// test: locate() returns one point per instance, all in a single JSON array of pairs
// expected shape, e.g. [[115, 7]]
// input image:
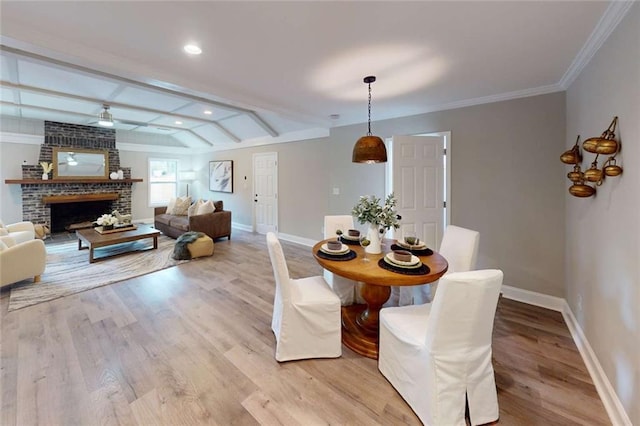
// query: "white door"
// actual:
[[418, 181], [265, 191]]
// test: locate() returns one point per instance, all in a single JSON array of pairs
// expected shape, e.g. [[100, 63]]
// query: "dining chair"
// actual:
[[459, 247], [437, 354], [306, 313], [347, 290]]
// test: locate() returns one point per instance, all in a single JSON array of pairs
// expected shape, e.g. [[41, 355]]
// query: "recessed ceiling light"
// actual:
[[208, 112], [192, 49], [334, 116], [178, 122]]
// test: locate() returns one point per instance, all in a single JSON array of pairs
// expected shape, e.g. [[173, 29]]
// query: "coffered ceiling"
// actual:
[[278, 71]]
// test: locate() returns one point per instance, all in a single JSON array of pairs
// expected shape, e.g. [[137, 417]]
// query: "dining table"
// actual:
[[360, 322]]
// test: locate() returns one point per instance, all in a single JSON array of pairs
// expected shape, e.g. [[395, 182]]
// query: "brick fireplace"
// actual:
[[72, 201]]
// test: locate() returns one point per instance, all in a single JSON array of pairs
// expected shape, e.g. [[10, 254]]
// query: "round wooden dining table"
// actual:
[[360, 322]]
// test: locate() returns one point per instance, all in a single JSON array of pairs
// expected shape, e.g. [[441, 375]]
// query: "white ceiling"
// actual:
[[276, 71]]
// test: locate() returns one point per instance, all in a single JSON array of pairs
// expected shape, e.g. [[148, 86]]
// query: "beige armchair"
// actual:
[[20, 231], [21, 260]]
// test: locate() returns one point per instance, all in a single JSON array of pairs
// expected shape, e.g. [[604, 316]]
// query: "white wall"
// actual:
[[602, 259]]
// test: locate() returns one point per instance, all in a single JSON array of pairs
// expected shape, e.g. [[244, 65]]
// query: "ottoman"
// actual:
[[191, 245]]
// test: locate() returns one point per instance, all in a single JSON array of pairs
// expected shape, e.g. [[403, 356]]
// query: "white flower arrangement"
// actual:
[[369, 210], [107, 220]]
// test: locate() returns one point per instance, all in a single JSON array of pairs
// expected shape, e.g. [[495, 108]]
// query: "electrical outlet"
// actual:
[[336, 191]]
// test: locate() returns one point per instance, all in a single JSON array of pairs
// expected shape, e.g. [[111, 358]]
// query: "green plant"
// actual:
[[369, 210]]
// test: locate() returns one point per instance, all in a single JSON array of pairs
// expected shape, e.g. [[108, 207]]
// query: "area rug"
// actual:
[[69, 271]]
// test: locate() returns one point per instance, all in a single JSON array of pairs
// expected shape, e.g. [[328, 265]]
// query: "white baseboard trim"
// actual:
[[533, 298], [610, 400], [608, 396], [241, 227], [298, 240]]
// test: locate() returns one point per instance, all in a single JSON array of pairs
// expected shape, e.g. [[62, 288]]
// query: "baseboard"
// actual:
[[608, 396], [241, 227], [533, 298], [298, 240], [610, 400]]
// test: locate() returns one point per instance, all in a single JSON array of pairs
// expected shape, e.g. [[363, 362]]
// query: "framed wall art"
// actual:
[[221, 176]]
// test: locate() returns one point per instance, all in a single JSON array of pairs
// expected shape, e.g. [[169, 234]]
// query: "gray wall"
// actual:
[[507, 182], [603, 234]]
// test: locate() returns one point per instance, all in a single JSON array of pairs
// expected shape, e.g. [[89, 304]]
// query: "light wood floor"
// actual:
[[193, 345]]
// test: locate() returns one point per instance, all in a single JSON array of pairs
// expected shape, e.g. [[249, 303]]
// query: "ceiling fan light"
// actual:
[[369, 149], [105, 118]]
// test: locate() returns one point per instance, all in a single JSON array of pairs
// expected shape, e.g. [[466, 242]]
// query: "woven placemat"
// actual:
[[347, 256], [421, 252], [422, 270], [350, 242]]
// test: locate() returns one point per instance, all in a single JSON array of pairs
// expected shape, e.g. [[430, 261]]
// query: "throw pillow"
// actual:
[[171, 207], [207, 207], [193, 208], [182, 205]]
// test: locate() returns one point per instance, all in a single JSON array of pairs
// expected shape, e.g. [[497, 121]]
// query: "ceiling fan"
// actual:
[[105, 118]]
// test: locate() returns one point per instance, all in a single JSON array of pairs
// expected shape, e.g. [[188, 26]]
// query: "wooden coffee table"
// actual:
[[93, 239]]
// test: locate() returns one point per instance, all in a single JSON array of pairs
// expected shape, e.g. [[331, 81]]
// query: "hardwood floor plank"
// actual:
[[193, 345]]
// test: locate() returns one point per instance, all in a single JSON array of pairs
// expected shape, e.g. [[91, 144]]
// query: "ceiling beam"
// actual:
[[118, 105], [34, 56], [81, 114]]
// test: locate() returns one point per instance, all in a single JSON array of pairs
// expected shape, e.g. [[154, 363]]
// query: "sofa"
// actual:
[[216, 224]]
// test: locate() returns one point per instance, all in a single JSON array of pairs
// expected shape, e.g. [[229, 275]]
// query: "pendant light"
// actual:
[[369, 149], [105, 118]]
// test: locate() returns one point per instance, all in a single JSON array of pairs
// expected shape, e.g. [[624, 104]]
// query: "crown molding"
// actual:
[[607, 23], [525, 93]]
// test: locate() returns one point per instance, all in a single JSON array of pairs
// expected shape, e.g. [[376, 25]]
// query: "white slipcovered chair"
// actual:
[[460, 247], [437, 353], [21, 260], [19, 231], [347, 290], [306, 313]]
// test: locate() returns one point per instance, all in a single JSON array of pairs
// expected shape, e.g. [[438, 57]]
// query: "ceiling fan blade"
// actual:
[[132, 123]]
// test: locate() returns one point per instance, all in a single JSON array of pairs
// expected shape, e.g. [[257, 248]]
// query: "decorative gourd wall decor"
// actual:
[[605, 145]]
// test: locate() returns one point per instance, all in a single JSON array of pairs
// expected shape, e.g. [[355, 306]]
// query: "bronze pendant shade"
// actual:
[[369, 148]]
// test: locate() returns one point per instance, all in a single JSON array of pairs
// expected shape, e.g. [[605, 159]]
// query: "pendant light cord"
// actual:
[[369, 132]]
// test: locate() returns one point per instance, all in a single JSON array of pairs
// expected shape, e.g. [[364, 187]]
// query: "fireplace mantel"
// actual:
[[58, 181]]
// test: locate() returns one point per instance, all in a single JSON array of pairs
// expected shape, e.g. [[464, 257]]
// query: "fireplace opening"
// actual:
[[72, 216]]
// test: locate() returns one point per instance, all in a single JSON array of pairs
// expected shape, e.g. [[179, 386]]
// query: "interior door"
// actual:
[[265, 190], [418, 181]]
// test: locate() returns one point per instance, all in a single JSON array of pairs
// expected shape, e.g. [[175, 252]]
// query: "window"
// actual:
[[163, 181]]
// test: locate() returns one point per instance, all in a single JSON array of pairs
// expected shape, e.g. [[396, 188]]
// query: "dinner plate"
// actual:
[[420, 246], [350, 237], [413, 263], [344, 249]]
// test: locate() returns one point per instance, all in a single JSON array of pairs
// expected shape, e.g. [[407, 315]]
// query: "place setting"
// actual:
[[352, 237], [403, 262], [335, 250], [412, 243]]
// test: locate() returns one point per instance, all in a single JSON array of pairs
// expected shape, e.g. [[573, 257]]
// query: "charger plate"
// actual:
[[346, 256], [421, 252], [422, 270]]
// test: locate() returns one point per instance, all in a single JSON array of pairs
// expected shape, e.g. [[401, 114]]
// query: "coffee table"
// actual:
[[93, 239]]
